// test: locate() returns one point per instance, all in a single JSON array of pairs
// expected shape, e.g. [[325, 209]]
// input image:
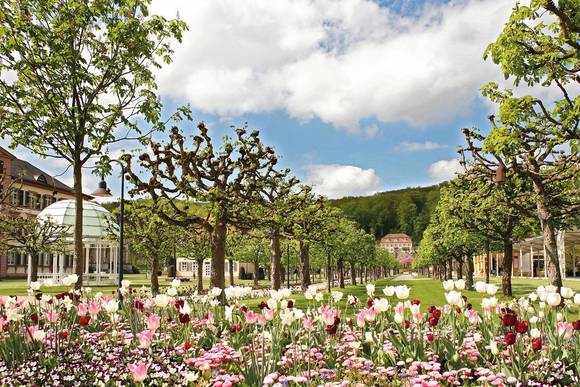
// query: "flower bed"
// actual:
[[84, 338]]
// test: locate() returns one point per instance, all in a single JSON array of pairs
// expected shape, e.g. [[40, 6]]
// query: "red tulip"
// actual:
[[433, 321], [184, 318], [84, 320], [407, 324], [521, 326], [186, 345], [34, 318], [537, 344], [430, 337], [576, 325], [509, 338], [416, 302], [509, 319]]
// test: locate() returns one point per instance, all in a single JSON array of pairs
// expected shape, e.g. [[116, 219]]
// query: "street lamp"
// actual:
[[104, 192], [500, 174]]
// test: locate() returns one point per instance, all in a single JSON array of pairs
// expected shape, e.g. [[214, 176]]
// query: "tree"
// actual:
[[79, 74], [229, 181], [149, 236], [537, 139], [492, 211], [32, 236]]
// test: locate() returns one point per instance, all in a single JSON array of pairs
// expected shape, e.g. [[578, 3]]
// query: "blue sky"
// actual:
[[356, 96]]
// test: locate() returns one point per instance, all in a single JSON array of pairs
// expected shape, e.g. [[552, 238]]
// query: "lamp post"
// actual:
[[103, 191]]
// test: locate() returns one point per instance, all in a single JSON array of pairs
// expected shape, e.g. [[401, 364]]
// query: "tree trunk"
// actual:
[[352, 273], [218, 257], [276, 262], [459, 268], [155, 275], [450, 269], [487, 262], [305, 264], [553, 261], [340, 268], [470, 270], [78, 261], [329, 272], [231, 263], [199, 275], [506, 280], [34, 267], [256, 269]]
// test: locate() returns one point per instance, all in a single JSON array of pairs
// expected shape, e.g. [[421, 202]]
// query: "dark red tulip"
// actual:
[[509, 338], [430, 337], [576, 325], [537, 344], [84, 320], [522, 326]]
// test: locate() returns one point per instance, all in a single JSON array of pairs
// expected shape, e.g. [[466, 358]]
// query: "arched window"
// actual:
[[41, 179]]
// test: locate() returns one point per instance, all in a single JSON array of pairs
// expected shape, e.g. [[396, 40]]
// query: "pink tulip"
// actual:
[[251, 317], [138, 371], [94, 308], [153, 322], [145, 338], [83, 309], [328, 314], [308, 324], [268, 314], [51, 316], [473, 316], [360, 319], [565, 329]]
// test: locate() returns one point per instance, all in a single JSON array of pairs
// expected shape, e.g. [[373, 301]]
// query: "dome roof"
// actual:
[[95, 217]]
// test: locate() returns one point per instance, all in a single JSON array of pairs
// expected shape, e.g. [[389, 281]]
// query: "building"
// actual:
[[397, 243], [530, 260], [187, 268], [32, 190]]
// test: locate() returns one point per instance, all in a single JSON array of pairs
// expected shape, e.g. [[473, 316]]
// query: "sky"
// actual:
[[356, 96]]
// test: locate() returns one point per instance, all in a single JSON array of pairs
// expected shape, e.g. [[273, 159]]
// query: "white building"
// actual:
[[187, 267]]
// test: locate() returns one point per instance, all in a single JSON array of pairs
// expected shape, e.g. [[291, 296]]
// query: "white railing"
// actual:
[[89, 279]]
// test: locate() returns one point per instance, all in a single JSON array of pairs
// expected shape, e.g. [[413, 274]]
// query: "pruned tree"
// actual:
[[229, 180], [537, 139], [76, 75], [31, 236]]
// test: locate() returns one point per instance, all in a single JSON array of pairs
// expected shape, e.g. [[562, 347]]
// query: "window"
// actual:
[[12, 259], [183, 266], [236, 266], [41, 179], [207, 269], [194, 267]]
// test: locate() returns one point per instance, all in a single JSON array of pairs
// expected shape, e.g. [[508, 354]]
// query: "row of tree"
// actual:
[[522, 174]]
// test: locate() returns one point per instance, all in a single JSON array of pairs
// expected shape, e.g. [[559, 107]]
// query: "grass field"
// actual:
[[429, 291]]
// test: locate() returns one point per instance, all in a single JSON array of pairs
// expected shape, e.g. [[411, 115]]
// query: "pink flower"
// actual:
[[400, 308], [83, 309], [51, 316], [251, 317], [268, 314], [566, 329], [328, 314], [308, 324], [153, 322], [94, 308], [473, 316], [138, 371], [360, 319], [145, 338]]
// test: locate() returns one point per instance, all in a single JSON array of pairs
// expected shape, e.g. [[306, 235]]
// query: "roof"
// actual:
[[96, 218], [20, 169], [392, 236]]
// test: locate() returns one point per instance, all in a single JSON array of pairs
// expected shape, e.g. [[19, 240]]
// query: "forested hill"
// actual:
[[405, 210]]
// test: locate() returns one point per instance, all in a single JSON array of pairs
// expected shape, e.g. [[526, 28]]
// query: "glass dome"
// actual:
[[96, 218]]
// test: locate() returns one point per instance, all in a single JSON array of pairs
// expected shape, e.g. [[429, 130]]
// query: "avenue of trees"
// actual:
[[521, 174]]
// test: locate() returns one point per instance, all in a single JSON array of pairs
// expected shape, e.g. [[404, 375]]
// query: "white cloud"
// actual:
[[339, 61], [444, 169], [419, 146], [336, 181]]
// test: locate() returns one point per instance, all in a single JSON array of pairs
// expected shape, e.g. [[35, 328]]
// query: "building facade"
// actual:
[[187, 268], [31, 191], [397, 244]]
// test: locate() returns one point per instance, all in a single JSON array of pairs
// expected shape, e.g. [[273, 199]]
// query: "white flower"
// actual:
[[535, 333], [272, 304], [354, 345], [381, 305], [185, 309], [389, 291], [577, 299], [319, 297], [533, 297], [369, 337], [493, 347], [351, 299], [370, 289], [541, 315], [398, 318], [477, 337], [171, 291], [336, 296], [162, 300], [111, 306], [66, 281], [453, 298], [175, 283], [553, 299], [460, 284], [215, 292], [190, 376], [481, 287], [566, 292], [125, 283], [13, 315], [73, 278], [551, 289], [229, 313], [559, 317], [542, 304], [214, 303], [35, 285], [39, 335], [298, 314], [402, 292], [491, 289], [48, 283], [448, 285]]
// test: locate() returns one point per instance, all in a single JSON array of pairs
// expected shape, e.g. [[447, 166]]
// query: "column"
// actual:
[[61, 258], [87, 257], [98, 264], [521, 262], [545, 263], [54, 264], [29, 269], [532, 259], [497, 264]]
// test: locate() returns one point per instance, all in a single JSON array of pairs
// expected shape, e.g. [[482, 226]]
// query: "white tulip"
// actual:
[[272, 304], [389, 291], [126, 283], [566, 292], [369, 337], [398, 318], [460, 284], [553, 299], [336, 296], [185, 309], [111, 306], [535, 333], [559, 317], [453, 298], [533, 297], [176, 283], [381, 305], [39, 335], [171, 291], [448, 285], [577, 299], [481, 287], [35, 285], [402, 292], [491, 289], [493, 347], [533, 319], [551, 289], [162, 300], [318, 297], [370, 289]]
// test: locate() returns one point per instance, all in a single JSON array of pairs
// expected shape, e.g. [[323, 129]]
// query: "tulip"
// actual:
[[308, 324], [84, 320], [460, 284], [509, 338], [537, 344], [162, 300], [402, 292], [491, 289], [453, 298], [522, 326], [553, 299], [138, 371], [145, 338], [481, 287], [35, 285], [370, 289], [577, 299], [566, 292], [448, 285]]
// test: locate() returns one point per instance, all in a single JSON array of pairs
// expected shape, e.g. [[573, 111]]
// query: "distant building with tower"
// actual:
[[397, 243]]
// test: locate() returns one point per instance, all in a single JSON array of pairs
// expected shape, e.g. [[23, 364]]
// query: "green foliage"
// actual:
[[407, 210]]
